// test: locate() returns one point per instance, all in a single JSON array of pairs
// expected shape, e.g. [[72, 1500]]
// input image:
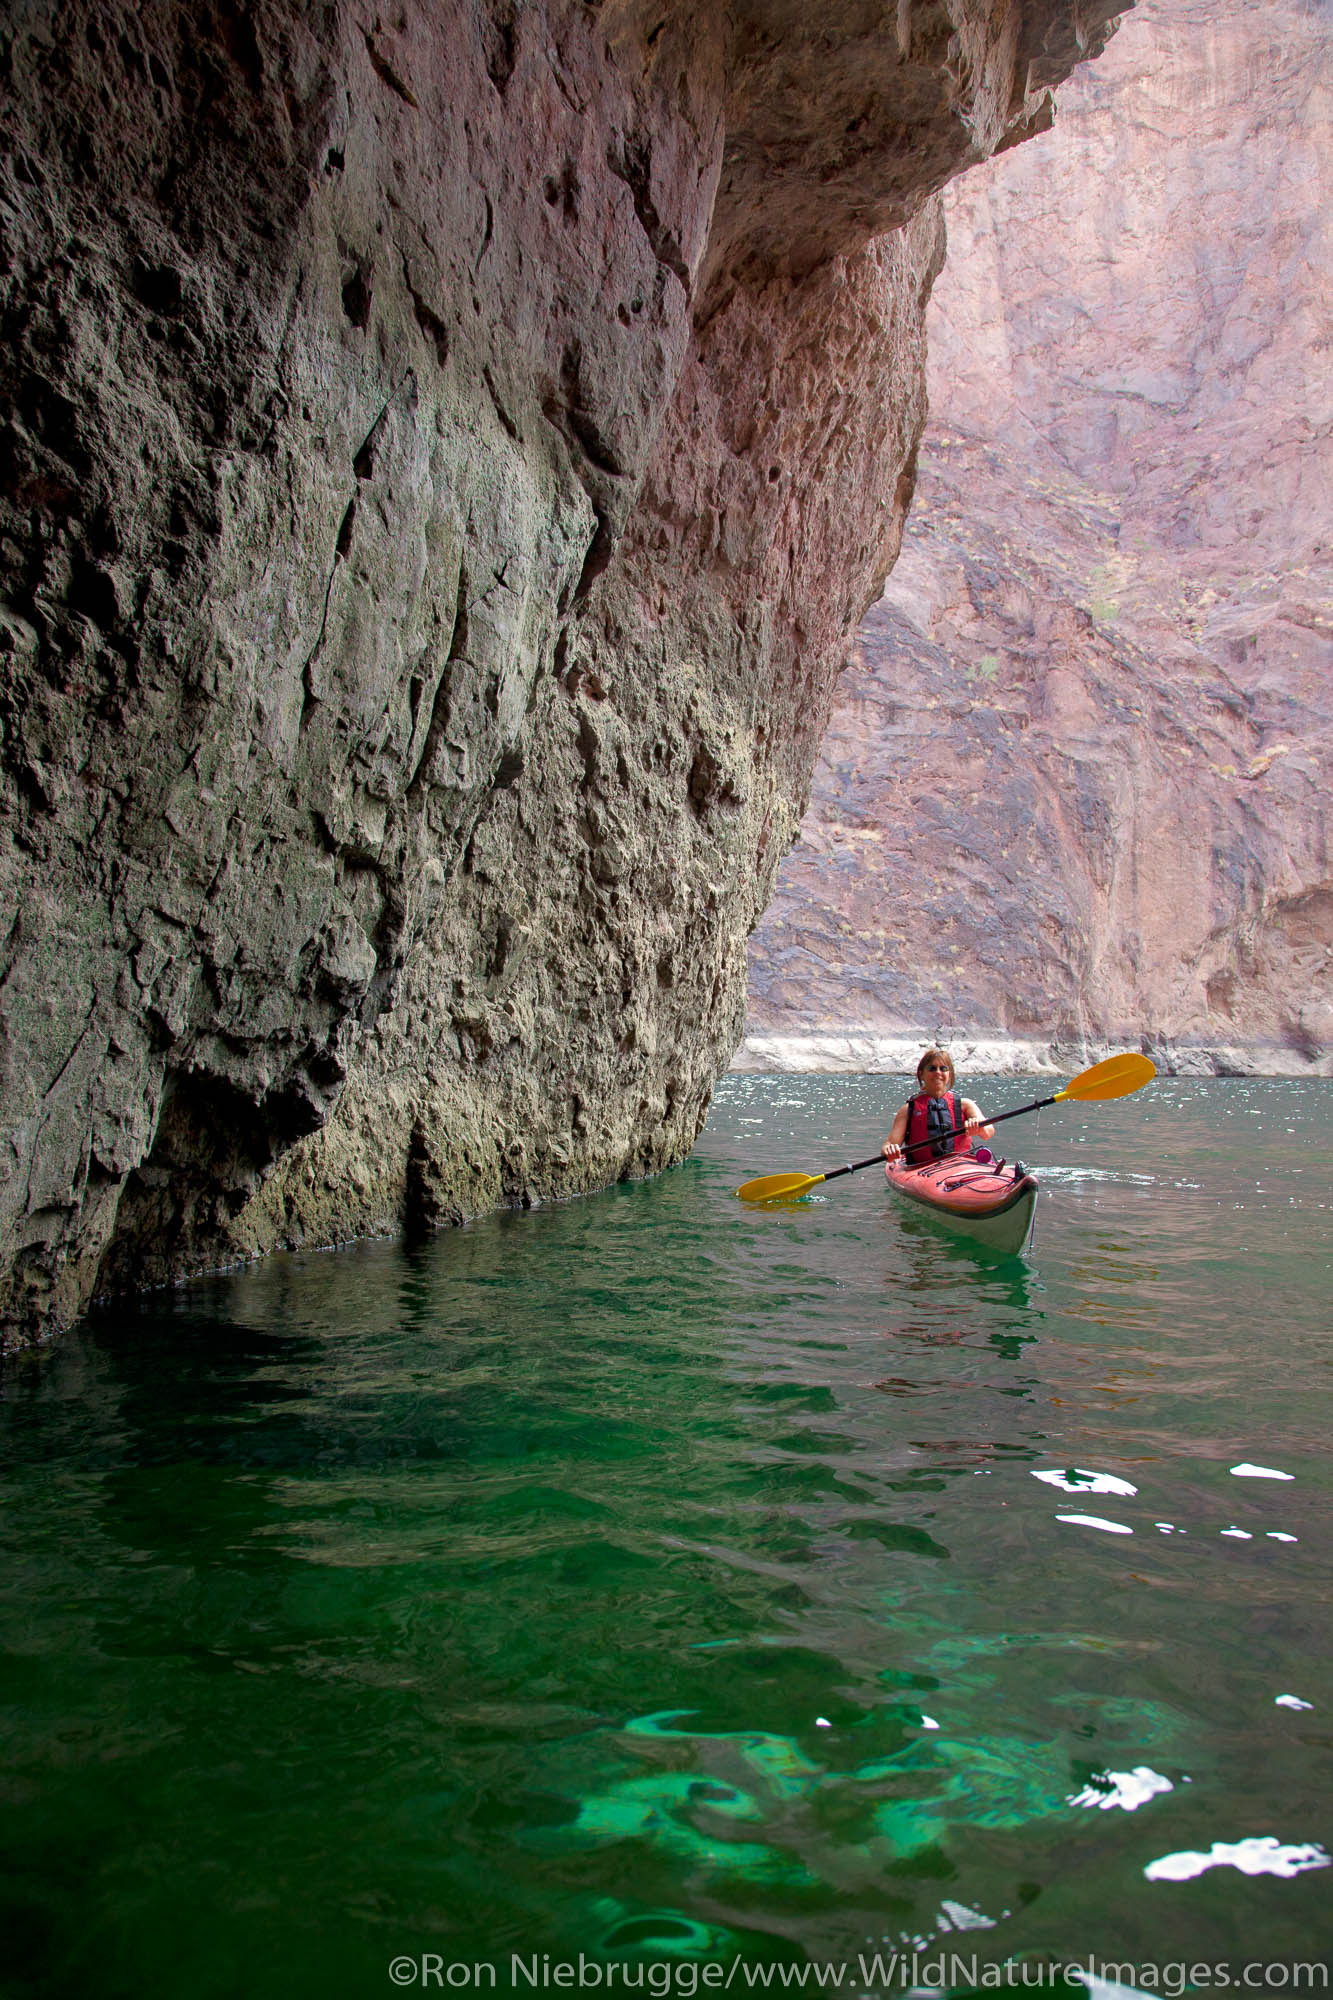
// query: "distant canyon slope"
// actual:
[[1076, 788]]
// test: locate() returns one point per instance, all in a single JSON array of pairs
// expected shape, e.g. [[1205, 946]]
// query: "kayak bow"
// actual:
[[985, 1200]]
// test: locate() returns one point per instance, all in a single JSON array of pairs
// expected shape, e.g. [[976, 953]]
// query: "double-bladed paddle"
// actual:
[[1117, 1076]]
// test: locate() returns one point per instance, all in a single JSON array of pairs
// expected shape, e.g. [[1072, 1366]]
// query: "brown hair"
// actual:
[[936, 1055]]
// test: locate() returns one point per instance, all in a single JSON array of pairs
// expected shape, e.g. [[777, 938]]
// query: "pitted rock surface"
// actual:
[[447, 452]]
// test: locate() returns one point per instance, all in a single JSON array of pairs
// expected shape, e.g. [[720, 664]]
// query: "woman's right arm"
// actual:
[[893, 1145]]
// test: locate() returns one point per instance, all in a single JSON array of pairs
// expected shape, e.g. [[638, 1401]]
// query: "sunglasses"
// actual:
[[941, 1069]]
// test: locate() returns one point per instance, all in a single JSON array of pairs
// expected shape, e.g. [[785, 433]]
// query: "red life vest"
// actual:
[[921, 1126]]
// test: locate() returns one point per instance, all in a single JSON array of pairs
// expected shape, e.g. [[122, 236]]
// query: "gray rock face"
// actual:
[[445, 456]]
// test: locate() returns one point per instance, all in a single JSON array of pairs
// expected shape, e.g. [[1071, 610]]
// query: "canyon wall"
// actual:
[[1076, 789], [445, 453]]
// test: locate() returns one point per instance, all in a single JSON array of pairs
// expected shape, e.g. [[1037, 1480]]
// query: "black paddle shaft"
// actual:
[[855, 1168], [1038, 1104]]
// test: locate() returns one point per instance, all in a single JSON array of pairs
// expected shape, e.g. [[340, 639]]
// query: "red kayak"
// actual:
[[981, 1198]]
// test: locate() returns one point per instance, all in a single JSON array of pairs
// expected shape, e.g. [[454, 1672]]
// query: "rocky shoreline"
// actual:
[[863, 1051]]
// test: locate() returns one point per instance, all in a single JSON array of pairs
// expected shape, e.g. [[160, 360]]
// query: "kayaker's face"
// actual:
[[936, 1080]]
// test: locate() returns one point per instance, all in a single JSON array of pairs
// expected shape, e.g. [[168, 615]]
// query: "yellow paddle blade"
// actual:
[[1116, 1077], [769, 1187]]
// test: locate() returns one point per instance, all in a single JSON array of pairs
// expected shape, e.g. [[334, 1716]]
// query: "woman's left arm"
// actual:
[[975, 1122]]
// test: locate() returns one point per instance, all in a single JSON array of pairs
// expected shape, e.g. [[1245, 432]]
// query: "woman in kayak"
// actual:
[[936, 1110]]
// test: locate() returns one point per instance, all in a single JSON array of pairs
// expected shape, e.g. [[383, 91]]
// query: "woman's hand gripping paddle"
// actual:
[[1117, 1076]]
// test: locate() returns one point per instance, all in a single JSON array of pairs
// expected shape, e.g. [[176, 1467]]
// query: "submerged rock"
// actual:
[[447, 452]]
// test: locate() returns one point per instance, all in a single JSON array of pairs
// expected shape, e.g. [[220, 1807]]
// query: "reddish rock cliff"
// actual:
[[447, 451], [1078, 784]]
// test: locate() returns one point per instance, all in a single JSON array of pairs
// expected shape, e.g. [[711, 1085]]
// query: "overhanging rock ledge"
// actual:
[[446, 451]]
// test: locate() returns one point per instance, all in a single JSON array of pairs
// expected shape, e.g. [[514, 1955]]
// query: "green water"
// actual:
[[668, 1582]]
